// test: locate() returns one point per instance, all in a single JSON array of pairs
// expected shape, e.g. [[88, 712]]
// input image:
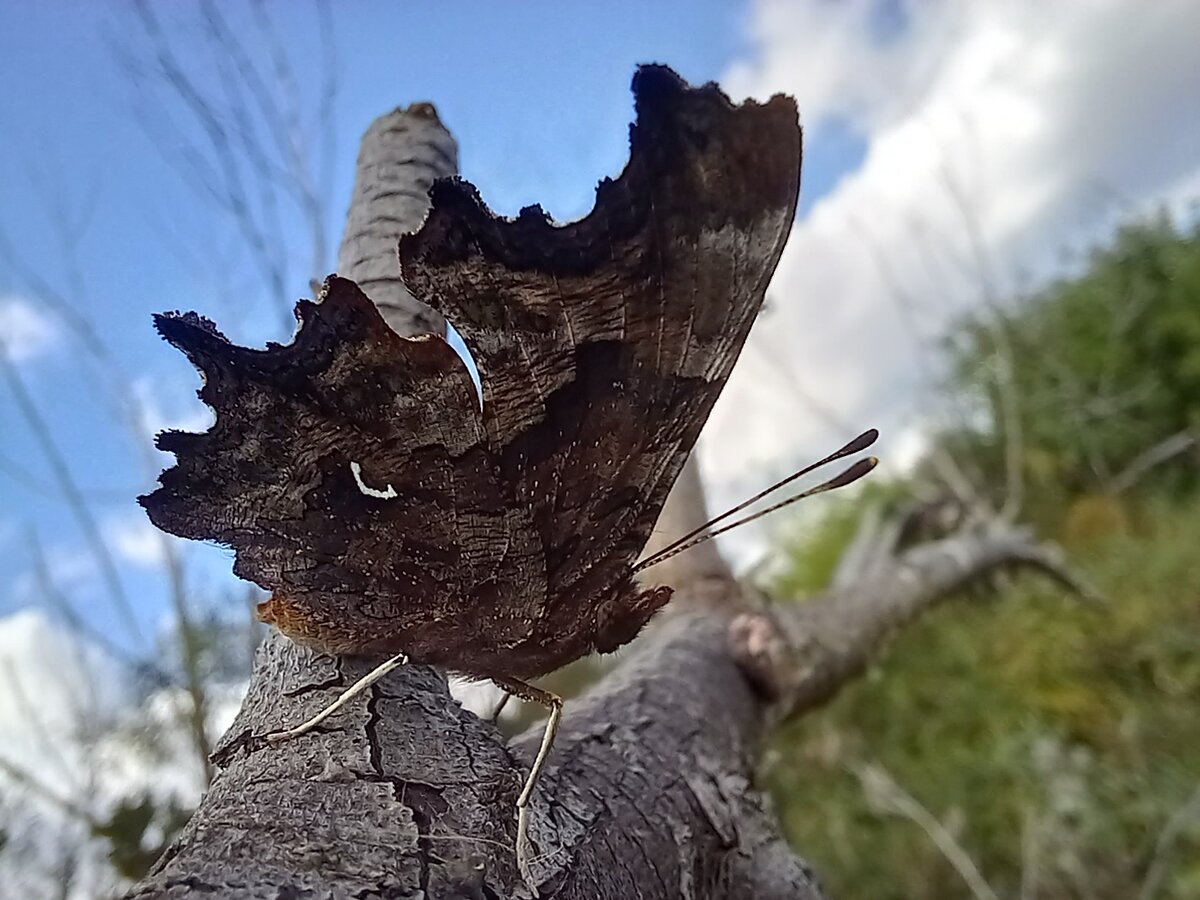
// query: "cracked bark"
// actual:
[[649, 791]]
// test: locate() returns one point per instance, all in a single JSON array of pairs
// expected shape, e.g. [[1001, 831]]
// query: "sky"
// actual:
[[1036, 126]]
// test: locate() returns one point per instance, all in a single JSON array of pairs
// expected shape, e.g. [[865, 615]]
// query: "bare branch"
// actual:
[[70, 490], [1005, 373], [1164, 451], [831, 638], [882, 790], [402, 154], [1164, 845], [26, 779]]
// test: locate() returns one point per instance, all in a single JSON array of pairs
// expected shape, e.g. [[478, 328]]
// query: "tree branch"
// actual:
[[1164, 451]]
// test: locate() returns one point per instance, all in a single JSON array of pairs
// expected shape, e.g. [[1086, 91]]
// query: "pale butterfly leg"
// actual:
[[554, 704], [343, 698]]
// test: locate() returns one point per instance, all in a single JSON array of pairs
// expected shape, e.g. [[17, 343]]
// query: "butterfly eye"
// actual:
[[455, 340]]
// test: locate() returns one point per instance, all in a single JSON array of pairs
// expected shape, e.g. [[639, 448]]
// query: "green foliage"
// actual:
[[1058, 742], [137, 832], [812, 549], [1105, 366], [1030, 711]]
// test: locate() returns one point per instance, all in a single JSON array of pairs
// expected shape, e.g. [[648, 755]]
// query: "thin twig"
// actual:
[[1031, 850], [1167, 838], [25, 778], [189, 652], [29, 480], [1164, 451], [1005, 375], [70, 490], [54, 597], [233, 194], [33, 719], [943, 461], [881, 788]]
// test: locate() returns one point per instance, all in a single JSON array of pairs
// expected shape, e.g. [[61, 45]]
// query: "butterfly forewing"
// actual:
[[603, 344]]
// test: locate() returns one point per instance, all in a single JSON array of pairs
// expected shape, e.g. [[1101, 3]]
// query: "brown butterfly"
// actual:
[[358, 477]]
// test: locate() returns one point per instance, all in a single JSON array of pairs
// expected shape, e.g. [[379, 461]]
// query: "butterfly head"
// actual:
[[619, 620]]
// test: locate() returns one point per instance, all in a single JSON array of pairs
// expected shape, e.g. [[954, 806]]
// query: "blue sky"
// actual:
[[1055, 120], [536, 93]]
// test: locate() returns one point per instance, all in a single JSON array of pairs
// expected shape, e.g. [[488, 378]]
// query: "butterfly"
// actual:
[[390, 511]]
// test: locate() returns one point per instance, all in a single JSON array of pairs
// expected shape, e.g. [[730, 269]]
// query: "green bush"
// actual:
[[1032, 710], [1055, 742], [1104, 366]]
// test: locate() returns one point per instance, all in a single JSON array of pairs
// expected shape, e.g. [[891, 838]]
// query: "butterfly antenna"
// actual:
[[703, 533]]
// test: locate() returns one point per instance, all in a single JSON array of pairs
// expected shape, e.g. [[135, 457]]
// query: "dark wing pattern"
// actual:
[[355, 476], [310, 442], [603, 344]]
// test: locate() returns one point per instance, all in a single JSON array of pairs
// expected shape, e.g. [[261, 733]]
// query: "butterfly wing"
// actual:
[[348, 471], [603, 344], [353, 472]]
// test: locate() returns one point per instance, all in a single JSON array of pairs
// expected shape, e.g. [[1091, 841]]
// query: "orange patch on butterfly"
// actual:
[[289, 618]]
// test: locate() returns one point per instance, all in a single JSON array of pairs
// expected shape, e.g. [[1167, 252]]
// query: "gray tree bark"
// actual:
[[649, 790], [400, 157]]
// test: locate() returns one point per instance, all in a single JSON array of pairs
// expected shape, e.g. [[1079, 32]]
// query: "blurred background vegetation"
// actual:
[[1025, 743]]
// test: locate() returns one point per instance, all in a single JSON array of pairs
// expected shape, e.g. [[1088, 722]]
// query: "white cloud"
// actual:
[[72, 721], [164, 407], [1041, 113], [50, 674], [72, 567], [134, 540], [25, 331]]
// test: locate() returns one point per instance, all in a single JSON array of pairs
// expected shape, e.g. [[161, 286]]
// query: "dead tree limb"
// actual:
[[649, 792], [1164, 451]]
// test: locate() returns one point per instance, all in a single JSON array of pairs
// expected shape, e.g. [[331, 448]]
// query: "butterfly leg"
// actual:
[[495, 716], [554, 704], [343, 698]]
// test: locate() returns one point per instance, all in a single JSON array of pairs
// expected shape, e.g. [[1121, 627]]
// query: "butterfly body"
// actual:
[[536, 650]]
